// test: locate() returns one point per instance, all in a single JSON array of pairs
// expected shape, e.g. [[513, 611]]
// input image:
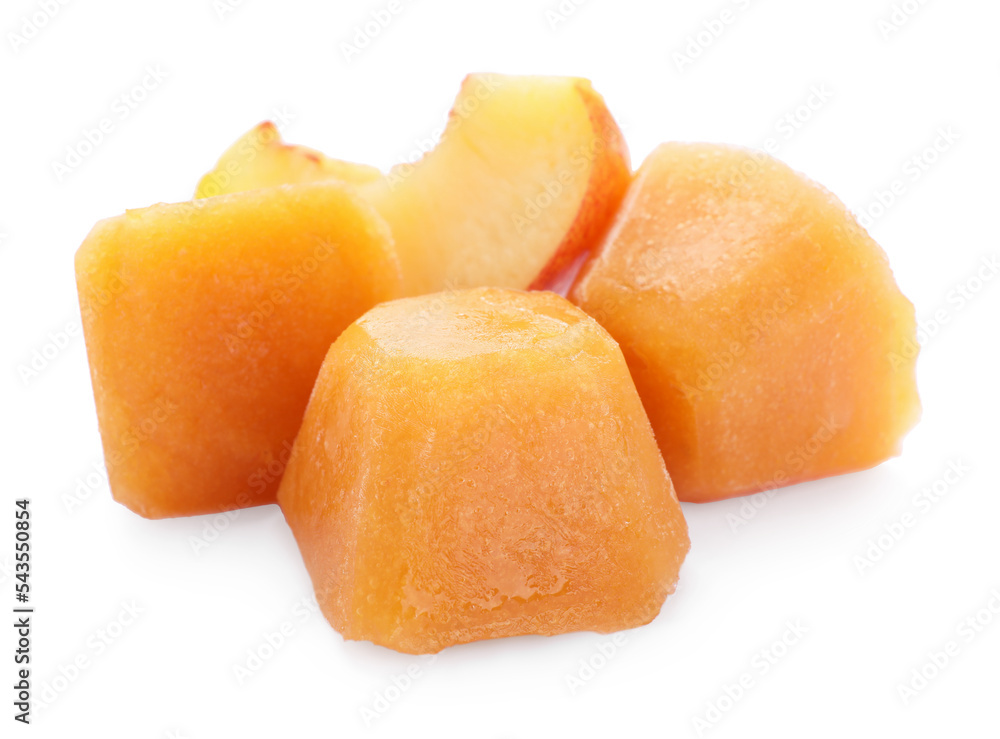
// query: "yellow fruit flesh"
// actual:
[[260, 159], [525, 178]]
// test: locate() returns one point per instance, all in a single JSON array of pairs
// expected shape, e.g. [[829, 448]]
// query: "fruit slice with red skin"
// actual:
[[762, 324], [259, 159], [206, 324], [477, 464], [526, 177]]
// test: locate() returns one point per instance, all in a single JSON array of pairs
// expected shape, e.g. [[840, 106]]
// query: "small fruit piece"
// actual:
[[477, 464], [764, 330], [260, 159], [526, 177], [206, 324]]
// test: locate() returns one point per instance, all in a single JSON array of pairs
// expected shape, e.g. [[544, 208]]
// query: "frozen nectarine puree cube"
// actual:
[[477, 464], [762, 324], [206, 324]]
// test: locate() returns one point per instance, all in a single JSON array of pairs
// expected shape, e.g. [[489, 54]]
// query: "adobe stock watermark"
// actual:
[[785, 128], [921, 504], [795, 119], [95, 646], [396, 687], [761, 664], [712, 29], [62, 338], [421, 147], [914, 168], [366, 32], [465, 107], [142, 431], [274, 640], [94, 480], [6, 569], [722, 362], [580, 161], [257, 484], [967, 631], [290, 282], [437, 305], [224, 8], [32, 24], [45, 354], [406, 164], [957, 299], [795, 461], [588, 668], [482, 427], [561, 12], [899, 15], [122, 106]]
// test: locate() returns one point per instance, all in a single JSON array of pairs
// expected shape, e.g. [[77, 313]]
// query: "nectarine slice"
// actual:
[[259, 159], [206, 324], [525, 178], [762, 324], [477, 464]]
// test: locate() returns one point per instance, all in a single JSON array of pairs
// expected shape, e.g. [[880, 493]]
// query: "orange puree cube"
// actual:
[[206, 324], [477, 464], [763, 327]]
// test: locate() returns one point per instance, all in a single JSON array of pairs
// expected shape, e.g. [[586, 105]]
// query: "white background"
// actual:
[[171, 671]]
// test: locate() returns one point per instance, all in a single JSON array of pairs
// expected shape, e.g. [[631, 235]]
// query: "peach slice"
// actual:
[[525, 178], [762, 324], [206, 324], [260, 159], [477, 464]]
